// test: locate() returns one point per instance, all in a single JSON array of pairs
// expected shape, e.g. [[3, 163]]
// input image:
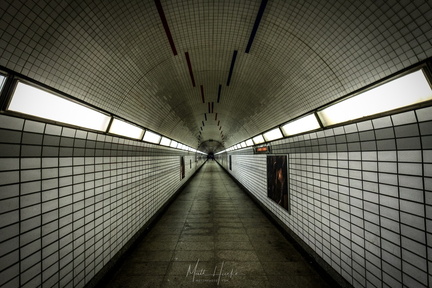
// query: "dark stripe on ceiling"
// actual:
[[218, 122], [216, 117], [256, 25], [209, 107], [219, 93], [202, 93], [212, 107], [203, 123], [165, 25], [220, 127], [190, 68], [232, 67], [205, 116]]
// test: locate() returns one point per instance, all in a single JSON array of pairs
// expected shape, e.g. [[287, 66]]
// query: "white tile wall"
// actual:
[[366, 212], [68, 207]]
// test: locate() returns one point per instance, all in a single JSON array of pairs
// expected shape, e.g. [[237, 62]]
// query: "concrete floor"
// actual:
[[214, 235]]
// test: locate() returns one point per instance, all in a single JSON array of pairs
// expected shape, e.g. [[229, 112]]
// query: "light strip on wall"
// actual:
[[120, 127], [258, 139], [404, 91], [37, 102], [173, 144], [151, 137], [303, 124], [2, 81], [273, 134], [165, 141]]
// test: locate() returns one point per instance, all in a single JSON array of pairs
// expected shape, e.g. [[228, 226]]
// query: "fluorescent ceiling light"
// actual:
[[238, 146], [126, 129], [151, 137], [273, 134], [36, 102], [403, 91], [304, 124], [2, 81], [258, 139], [165, 141], [173, 144], [243, 144], [249, 142]]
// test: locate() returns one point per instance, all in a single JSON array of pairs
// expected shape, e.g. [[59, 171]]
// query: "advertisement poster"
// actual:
[[277, 180], [182, 167]]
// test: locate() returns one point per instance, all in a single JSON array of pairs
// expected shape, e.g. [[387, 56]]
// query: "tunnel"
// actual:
[[207, 143]]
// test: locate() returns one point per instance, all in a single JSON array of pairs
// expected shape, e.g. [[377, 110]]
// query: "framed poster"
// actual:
[[182, 167], [277, 180]]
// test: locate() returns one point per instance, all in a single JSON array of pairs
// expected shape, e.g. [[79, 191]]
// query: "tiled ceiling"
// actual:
[[171, 66]]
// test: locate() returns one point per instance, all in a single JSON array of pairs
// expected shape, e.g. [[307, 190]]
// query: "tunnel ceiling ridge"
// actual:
[[223, 70]]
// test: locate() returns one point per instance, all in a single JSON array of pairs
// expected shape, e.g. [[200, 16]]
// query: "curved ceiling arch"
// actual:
[[146, 62]]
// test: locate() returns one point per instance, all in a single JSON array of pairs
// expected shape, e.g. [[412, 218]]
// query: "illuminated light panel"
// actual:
[[2, 81], [243, 144], [258, 139], [165, 141], [273, 134], [36, 102], [173, 144], [126, 129], [403, 91], [152, 137], [249, 142], [304, 124]]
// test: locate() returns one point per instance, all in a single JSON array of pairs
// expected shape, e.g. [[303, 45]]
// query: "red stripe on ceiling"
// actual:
[[202, 94], [165, 25], [231, 67], [190, 68], [256, 25]]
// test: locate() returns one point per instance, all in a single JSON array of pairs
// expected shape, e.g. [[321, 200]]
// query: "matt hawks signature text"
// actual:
[[201, 275]]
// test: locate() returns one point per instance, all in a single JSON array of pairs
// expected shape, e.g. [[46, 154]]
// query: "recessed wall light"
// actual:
[[120, 127], [34, 101], [401, 92]]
